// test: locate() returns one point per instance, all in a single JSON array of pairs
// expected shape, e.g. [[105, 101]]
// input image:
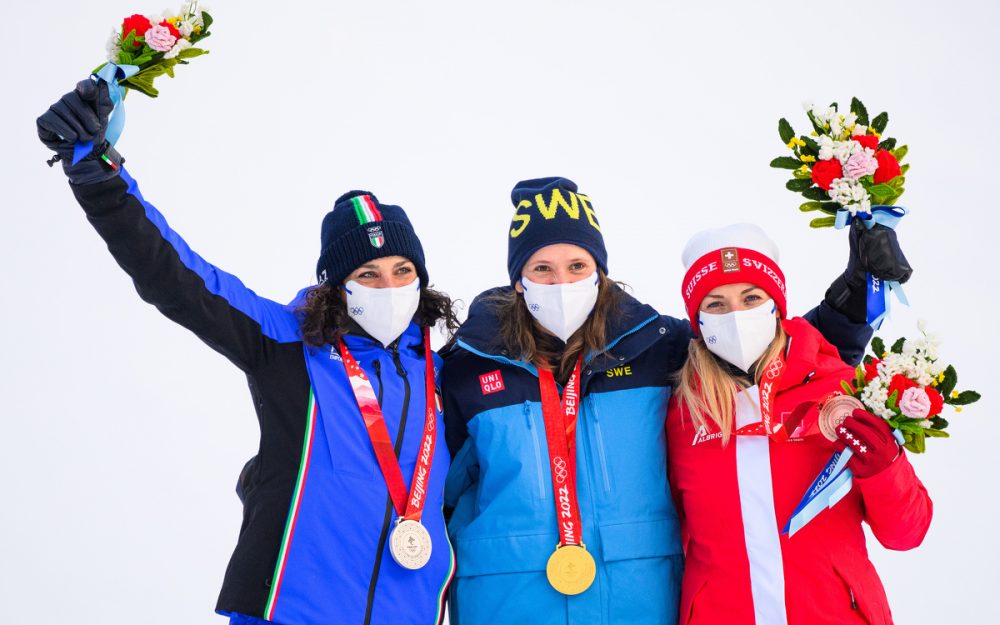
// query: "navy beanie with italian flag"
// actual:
[[359, 229], [548, 211]]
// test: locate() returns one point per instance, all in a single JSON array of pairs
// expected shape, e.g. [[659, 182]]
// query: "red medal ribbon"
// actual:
[[408, 506], [768, 390], [560, 433]]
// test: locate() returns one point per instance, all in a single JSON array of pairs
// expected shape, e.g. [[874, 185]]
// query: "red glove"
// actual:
[[871, 440]]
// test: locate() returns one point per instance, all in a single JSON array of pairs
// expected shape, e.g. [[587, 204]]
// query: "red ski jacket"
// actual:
[[735, 499]]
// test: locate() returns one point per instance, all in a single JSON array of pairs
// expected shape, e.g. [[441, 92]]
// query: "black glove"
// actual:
[[81, 115], [874, 251]]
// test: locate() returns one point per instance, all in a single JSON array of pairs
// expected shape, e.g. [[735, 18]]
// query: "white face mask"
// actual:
[[382, 313], [739, 337], [561, 308]]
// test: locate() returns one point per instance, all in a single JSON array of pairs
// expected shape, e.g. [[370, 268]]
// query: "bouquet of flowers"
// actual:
[[844, 164], [151, 46], [908, 387]]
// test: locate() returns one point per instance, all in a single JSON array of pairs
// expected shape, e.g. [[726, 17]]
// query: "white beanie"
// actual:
[[745, 235]]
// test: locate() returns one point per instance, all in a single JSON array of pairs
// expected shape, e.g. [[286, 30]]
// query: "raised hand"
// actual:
[[79, 116]]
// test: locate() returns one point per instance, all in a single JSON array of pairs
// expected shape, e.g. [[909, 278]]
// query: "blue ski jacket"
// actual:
[[503, 522], [313, 547]]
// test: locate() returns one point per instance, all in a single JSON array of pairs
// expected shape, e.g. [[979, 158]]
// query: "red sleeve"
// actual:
[[897, 506], [673, 417]]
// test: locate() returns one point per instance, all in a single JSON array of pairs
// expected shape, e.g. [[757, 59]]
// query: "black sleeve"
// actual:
[[215, 305], [849, 337]]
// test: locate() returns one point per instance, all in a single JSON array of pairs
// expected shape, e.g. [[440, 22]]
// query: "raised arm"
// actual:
[[842, 315], [213, 304]]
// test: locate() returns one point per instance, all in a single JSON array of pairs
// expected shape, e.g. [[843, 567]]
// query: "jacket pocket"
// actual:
[[862, 596], [643, 539], [535, 439], [506, 554]]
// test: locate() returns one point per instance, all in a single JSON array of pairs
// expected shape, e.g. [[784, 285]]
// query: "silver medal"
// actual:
[[410, 545]]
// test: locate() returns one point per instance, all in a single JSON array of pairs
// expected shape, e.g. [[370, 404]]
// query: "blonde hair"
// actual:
[[708, 390]]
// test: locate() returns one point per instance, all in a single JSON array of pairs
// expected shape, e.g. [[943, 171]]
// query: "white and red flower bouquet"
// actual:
[[150, 46], [845, 166], [908, 386]]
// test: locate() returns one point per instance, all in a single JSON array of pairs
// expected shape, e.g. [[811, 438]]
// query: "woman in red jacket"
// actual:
[[737, 475]]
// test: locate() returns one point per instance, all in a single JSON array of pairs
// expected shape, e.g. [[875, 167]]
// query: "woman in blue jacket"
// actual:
[[342, 518], [555, 394]]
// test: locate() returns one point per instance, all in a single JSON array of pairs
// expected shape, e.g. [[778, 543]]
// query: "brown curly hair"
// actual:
[[323, 318]]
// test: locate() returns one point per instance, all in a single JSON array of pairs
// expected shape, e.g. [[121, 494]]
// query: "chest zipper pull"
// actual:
[[854, 603]]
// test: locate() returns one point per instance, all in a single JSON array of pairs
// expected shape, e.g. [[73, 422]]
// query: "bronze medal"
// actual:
[[834, 411]]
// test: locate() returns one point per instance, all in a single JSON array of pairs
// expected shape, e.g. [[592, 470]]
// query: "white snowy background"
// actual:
[[122, 435]]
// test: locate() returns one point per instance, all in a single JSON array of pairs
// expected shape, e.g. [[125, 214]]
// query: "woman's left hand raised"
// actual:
[[872, 441]]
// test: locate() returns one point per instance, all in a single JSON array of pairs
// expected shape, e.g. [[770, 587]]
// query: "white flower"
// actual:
[[808, 105], [113, 46], [859, 130], [186, 27], [824, 114], [182, 44], [825, 144], [843, 150]]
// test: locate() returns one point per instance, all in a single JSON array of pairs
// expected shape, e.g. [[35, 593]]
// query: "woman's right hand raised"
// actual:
[[79, 116]]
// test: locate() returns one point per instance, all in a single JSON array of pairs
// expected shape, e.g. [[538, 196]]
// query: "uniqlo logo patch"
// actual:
[[491, 382]]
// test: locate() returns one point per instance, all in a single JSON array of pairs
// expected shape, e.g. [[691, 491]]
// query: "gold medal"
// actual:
[[571, 569], [833, 413]]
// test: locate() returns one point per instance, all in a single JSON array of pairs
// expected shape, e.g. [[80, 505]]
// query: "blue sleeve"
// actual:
[[849, 337], [187, 289]]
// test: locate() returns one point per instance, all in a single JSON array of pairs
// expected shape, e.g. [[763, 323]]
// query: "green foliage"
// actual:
[[897, 347], [880, 122], [802, 175], [815, 193], [948, 384], [823, 222], [882, 194], [815, 124], [965, 398], [896, 183], [932, 433], [878, 346], [847, 388], [887, 144], [904, 168], [798, 185], [939, 422], [859, 109], [806, 207], [785, 131], [811, 144], [917, 444], [900, 153], [786, 162], [891, 403]]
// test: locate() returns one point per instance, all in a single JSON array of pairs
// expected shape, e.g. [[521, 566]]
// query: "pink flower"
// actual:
[[915, 403], [160, 39], [860, 164]]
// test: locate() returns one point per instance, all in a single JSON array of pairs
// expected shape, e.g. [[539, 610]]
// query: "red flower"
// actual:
[[867, 141], [825, 172], [937, 402], [888, 167], [871, 370], [898, 384], [137, 23], [173, 29]]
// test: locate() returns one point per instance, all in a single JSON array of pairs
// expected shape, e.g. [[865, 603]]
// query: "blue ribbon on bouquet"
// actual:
[[111, 74], [878, 290], [829, 487]]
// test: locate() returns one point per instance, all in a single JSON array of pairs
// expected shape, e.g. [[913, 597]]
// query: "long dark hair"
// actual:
[[324, 318], [526, 340]]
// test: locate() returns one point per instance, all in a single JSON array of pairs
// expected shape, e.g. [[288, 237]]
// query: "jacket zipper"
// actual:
[[387, 519], [538, 449], [602, 457]]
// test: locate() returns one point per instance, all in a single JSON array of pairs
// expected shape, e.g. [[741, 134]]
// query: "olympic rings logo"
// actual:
[[560, 469], [775, 368]]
